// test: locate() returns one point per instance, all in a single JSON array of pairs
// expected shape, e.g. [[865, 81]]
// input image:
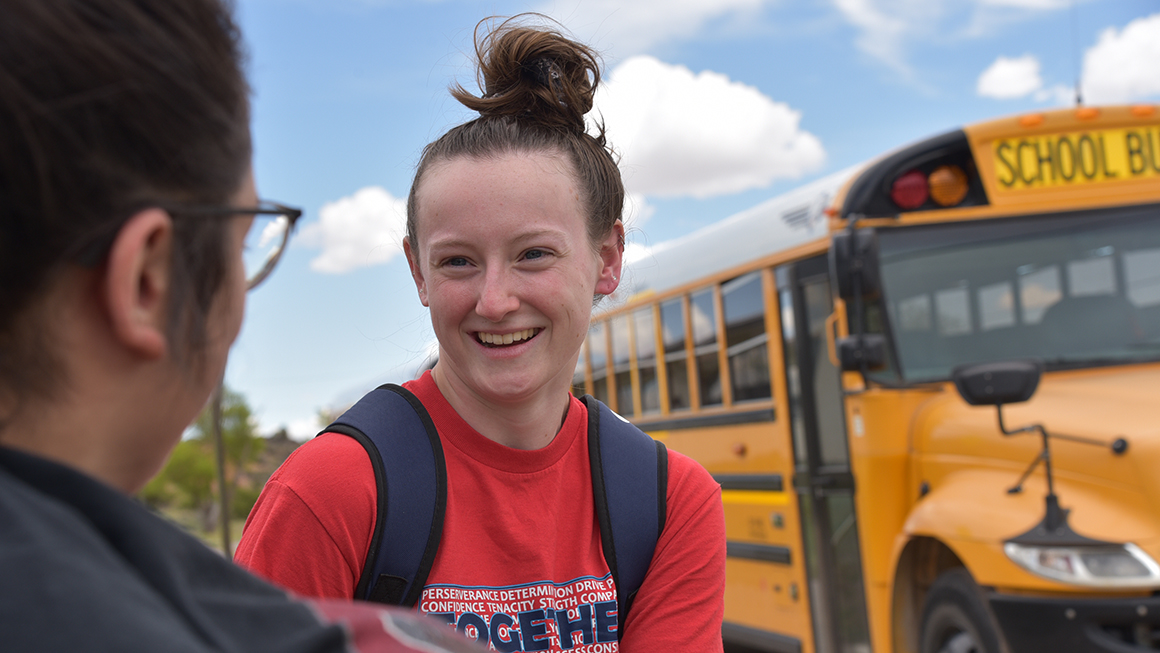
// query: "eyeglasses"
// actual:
[[265, 241]]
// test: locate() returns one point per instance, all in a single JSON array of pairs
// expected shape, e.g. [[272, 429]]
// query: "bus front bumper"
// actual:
[[1113, 625]]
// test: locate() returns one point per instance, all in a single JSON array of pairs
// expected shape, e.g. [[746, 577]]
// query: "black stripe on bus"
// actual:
[[705, 421], [759, 640], [766, 482], [762, 552]]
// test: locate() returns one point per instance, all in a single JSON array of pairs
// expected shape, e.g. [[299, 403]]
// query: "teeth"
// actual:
[[507, 338]]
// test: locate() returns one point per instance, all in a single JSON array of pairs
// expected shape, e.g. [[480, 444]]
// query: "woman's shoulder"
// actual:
[[687, 478], [327, 463]]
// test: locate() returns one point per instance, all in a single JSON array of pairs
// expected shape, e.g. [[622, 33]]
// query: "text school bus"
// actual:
[[929, 389]]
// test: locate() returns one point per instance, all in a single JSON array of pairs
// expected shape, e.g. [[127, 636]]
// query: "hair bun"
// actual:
[[532, 73]]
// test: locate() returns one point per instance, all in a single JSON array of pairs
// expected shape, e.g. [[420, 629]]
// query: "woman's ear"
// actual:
[[611, 260], [416, 270], [138, 280]]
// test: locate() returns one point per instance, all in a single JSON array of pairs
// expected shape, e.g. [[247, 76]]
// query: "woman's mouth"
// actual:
[[505, 339]]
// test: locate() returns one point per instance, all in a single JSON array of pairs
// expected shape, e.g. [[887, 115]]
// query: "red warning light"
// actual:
[[909, 191]]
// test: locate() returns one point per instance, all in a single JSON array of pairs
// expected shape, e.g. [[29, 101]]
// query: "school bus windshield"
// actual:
[[1074, 290]]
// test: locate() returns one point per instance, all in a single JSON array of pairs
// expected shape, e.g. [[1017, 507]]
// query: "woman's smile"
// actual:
[[505, 339]]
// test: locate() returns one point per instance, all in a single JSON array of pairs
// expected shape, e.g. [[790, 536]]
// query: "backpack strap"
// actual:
[[629, 484], [410, 472]]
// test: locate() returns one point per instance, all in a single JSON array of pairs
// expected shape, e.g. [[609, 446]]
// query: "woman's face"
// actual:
[[506, 266]]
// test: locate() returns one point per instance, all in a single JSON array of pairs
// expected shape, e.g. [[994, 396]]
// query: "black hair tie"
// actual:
[[543, 71], [546, 73]]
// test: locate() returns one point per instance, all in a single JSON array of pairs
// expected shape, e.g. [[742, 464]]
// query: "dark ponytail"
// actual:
[[537, 87]]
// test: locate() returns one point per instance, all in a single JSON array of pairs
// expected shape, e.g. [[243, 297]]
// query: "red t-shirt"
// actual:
[[520, 540]]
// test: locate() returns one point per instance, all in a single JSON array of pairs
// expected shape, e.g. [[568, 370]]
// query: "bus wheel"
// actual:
[[955, 619]]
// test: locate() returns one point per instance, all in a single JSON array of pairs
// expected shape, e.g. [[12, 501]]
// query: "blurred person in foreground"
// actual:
[[125, 197]]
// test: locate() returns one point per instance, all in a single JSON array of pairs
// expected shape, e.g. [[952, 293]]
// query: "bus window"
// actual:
[[953, 306], [1139, 273], [597, 351], [1038, 289], [646, 360], [996, 306], [914, 313], [1059, 288], [621, 367], [704, 317], [578, 377], [1092, 276], [746, 338], [676, 367]]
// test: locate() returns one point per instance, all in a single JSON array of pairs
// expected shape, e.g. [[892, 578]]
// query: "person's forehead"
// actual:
[[531, 189], [547, 163]]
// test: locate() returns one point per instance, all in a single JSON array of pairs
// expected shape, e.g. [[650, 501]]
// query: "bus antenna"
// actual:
[[1075, 56]]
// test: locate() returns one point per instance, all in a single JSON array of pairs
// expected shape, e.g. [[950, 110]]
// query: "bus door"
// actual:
[[822, 476]]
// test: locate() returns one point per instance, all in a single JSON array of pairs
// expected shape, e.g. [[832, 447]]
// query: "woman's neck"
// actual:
[[527, 423]]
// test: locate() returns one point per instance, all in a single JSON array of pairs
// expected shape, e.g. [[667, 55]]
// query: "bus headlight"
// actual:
[[1091, 566]]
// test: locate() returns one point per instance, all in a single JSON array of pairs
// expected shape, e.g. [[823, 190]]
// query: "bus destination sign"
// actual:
[[1075, 158]]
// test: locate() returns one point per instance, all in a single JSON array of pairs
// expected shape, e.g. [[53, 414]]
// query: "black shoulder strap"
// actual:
[[410, 472], [629, 484]]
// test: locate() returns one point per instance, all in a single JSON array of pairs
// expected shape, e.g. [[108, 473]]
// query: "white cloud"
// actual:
[[619, 28], [637, 210], [1122, 65], [700, 135], [303, 429], [887, 28], [361, 230], [634, 252], [884, 28], [1007, 79]]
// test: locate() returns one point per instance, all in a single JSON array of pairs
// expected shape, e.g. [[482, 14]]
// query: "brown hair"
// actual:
[[108, 107], [537, 86]]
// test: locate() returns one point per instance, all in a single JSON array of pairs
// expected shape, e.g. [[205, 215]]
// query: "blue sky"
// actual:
[[714, 106]]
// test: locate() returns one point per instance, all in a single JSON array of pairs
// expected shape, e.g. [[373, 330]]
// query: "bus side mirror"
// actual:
[[854, 352], [855, 253], [993, 384]]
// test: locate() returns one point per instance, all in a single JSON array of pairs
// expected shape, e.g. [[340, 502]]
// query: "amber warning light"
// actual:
[[945, 185]]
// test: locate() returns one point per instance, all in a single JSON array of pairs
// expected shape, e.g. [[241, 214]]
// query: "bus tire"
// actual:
[[955, 619]]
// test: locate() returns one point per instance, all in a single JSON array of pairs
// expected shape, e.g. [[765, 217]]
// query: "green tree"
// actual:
[[189, 480], [239, 436]]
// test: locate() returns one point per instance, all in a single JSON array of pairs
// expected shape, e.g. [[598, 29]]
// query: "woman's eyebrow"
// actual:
[[450, 243], [537, 234], [455, 242]]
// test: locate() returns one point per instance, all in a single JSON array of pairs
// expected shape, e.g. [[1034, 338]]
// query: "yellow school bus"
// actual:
[[929, 388]]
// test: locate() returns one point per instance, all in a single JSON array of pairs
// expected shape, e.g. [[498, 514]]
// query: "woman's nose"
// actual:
[[497, 297]]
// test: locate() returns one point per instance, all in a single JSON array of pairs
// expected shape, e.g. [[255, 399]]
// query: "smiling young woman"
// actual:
[[513, 229]]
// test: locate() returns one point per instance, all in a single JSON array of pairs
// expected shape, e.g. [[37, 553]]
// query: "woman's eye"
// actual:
[[533, 254], [456, 262]]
